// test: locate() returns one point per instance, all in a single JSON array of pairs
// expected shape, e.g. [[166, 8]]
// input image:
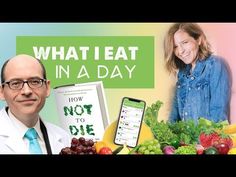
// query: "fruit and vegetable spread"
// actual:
[[189, 137], [183, 137]]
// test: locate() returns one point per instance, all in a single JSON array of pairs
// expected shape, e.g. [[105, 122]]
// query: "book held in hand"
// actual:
[[82, 109]]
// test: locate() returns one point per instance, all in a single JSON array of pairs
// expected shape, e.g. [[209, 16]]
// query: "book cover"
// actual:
[[82, 109]]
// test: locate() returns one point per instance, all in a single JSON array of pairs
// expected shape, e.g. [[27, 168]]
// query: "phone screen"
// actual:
[[129, 122]]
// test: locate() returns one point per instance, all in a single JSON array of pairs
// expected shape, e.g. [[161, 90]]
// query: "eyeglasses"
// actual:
[[17, 84]]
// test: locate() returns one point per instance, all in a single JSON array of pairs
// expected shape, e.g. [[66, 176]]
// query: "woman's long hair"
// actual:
[[173, 63]]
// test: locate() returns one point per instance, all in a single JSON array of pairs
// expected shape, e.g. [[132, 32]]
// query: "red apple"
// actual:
[[222, 148]]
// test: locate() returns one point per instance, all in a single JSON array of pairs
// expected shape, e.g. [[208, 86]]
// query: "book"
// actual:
[[82, 109]]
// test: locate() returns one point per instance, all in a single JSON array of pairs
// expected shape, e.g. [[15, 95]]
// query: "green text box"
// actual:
[[118, 61]]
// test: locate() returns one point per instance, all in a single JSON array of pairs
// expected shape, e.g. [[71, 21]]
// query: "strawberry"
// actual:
[[207, 139], [223, 139]]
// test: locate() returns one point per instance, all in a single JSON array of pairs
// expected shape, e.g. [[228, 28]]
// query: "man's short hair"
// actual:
[[5, 64]]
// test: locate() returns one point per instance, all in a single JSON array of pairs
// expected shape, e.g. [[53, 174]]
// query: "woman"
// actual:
[[203, 88]]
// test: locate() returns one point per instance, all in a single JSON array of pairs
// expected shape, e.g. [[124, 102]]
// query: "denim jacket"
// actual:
[[204, 93]]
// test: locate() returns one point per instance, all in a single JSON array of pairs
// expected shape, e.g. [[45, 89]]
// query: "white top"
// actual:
[[11, 141]]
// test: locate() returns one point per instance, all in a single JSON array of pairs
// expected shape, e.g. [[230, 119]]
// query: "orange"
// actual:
[[99, 145]]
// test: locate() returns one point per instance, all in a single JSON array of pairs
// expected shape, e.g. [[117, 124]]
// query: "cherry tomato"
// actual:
[[105, 150]]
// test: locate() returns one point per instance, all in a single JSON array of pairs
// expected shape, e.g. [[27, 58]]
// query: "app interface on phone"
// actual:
[[129, 122]]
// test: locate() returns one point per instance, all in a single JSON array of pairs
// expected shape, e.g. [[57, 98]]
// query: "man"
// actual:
[[25, 88]]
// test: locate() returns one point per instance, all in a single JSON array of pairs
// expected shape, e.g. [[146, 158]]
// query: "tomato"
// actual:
[[105, 150]]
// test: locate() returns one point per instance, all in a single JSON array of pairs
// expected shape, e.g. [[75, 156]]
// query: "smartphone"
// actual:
[[129, 122]]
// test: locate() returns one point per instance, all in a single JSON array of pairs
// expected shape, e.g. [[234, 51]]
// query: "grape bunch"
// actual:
[[149, 147], [79, 146]]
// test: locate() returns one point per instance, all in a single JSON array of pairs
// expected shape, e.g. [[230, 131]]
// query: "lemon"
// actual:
[[230, 129], [232, 151]]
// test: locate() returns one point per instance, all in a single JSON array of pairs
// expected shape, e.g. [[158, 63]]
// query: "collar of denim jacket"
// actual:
[[199, 68]]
